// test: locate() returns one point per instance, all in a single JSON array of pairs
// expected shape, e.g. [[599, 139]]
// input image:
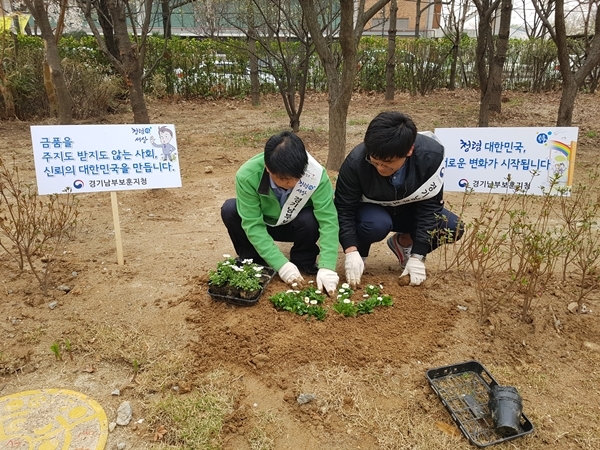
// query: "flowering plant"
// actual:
[[308, 301], [372, 298], [244, 275]]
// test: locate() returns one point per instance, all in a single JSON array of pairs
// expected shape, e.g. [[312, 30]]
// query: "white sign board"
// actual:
[[483, 159], [102, 158]]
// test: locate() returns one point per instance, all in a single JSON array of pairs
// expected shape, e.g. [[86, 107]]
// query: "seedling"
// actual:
[[69, 349], [136, 369], [56, 350]]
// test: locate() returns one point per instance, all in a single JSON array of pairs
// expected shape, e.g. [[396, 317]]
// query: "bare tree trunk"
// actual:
[[500, 56], [482, 73], [573, 81], [570, 81], [338, 112], [252, 37], [132, 66], [567, 102], [455, 25], [57, 91], [418, 19], [7, 96], [390, 64], [254, 81], [453, 64], [125, 56], [166, 21], [483, 56], [340, 85]]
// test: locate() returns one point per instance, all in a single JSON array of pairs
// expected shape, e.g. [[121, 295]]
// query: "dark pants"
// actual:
[[375, 222], [303, 231]]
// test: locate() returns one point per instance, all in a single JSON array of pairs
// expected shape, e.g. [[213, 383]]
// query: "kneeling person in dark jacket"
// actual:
[[393, 182]]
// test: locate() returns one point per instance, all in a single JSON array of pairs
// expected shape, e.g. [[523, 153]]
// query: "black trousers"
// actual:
[[375, 222], [303, 231]]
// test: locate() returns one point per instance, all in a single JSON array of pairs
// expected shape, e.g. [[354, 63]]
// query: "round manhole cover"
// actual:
[[51, 419]]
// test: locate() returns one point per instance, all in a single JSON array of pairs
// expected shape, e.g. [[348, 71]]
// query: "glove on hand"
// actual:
[[416, 269], [327, 279], [354, 268], [289, 273]]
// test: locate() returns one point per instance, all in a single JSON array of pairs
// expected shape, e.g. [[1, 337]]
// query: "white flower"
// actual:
[[294, 284], [339, 296], [311, 282], [226, 263], [226, 256], [341, 291], [379, 298], [289, 291], [365, 295], [317, 292], [313, 302], [371, 286], [296, 292], [306, 299], [381, 286], [257, 275], [345, 285], [258, 268], [346, 300]]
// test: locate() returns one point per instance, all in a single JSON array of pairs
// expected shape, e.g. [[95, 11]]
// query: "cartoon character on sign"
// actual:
[[169, 152], [561, 158]]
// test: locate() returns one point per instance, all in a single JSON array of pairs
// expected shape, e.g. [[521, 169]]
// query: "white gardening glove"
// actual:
[[289, 273], [416, 269], [327, 279], [354, 268]]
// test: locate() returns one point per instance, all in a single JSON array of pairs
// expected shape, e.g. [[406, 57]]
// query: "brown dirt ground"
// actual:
[[368, 372]]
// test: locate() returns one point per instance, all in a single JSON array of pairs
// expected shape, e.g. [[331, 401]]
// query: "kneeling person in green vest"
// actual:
[[285, 195]]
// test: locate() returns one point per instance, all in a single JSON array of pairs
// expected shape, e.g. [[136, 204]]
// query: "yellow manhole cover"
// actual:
[[51, 419]]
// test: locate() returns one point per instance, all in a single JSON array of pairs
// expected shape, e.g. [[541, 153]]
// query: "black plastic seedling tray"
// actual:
[[268, 274], [464, 390]]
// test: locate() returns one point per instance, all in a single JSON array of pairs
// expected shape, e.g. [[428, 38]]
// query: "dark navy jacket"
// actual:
[[357, 178]]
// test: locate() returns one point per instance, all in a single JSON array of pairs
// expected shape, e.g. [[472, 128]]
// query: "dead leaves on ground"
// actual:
[[160, 433]]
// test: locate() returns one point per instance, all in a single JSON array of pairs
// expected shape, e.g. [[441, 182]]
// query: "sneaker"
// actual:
[[402, 253]]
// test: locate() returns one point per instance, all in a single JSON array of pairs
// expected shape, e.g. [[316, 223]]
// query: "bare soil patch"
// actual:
[[368, 373]]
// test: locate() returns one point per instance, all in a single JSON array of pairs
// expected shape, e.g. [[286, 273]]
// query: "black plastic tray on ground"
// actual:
[[464, 390], [268, 274]]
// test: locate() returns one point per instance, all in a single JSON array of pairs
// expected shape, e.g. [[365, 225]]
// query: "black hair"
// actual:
[[285, 155], [390, 135]]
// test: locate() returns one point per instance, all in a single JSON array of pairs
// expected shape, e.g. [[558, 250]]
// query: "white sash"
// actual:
[[301, 192], [429, 189]]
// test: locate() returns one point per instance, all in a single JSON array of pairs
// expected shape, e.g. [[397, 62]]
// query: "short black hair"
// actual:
[[285, 155], [390, 135]]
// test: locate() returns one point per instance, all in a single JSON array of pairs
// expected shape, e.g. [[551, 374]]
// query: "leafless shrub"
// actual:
[[35, 228], [95, 93]]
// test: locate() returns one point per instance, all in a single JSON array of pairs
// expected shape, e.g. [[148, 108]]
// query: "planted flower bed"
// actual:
[[239, 282], [311, 302]]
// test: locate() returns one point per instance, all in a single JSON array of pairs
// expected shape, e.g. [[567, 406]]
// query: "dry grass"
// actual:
[[396, 409], [194, 421], [265, 431]]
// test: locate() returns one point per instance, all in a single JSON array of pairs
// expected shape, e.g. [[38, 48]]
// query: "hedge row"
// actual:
[[214, 68]]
